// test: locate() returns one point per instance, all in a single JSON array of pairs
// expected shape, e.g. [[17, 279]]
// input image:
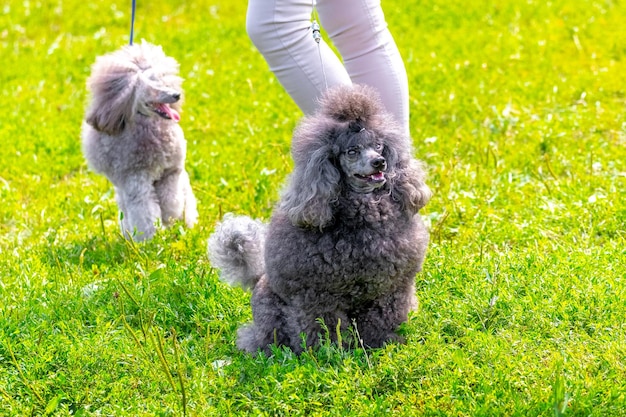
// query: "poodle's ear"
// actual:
[[112, 87], [406, 174], [110, 114], [312, 188], [408, 186]]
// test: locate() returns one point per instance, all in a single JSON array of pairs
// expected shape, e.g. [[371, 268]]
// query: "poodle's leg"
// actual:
[[278, 323], [314, 326], [139, 208], [170, 195], [121, 206], [176, 197], [191, 206], [269, 324], [377, 323]]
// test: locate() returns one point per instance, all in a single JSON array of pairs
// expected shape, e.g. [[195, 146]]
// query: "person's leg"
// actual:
[[359, 31], [281, 31]]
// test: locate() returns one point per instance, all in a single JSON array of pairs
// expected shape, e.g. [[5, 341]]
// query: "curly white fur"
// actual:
[[131, 135]]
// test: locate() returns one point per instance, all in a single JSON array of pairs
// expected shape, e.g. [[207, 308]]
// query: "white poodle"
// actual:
[[131, 135]]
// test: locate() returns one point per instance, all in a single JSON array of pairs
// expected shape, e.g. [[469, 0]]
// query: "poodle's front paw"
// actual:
[[140, 223], [395, 338], [138, 234], [383, 340], [191, 215]]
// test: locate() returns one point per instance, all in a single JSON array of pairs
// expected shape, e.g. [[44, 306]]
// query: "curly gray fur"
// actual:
[[236, 248], [331, 252], [131, 135], [315, 182]]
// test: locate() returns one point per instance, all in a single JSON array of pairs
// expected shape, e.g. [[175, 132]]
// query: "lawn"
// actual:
[[517, 109]]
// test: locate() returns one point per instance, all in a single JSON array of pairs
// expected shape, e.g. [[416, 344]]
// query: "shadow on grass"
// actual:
[[93, 251]]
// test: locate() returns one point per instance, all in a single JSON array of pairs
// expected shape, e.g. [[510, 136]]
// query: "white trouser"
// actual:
[[281, 31]]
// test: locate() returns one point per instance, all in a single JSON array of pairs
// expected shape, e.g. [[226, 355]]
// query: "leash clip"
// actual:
[[315, 27]]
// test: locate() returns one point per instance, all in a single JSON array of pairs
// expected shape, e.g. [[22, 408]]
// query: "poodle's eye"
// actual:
[[352, 152], [378, 147]]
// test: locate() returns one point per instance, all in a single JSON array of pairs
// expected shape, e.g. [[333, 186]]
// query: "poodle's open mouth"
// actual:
[[376, 177], [165, 111]]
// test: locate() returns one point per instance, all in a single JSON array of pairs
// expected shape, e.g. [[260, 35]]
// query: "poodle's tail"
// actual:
[[236, 248]]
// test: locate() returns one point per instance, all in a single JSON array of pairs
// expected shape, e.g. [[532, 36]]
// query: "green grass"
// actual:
[[518, 110]]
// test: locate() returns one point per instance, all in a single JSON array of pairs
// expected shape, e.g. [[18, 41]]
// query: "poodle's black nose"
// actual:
[[379, 163], [176, 96]]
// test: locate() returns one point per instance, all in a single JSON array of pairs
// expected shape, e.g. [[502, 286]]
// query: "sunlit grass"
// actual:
[[517, 108]]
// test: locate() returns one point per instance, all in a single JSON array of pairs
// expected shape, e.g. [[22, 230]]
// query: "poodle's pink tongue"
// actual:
[[173, 114]]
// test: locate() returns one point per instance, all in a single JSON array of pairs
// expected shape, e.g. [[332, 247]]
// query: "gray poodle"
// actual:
[[131, 135], [345, 242]]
